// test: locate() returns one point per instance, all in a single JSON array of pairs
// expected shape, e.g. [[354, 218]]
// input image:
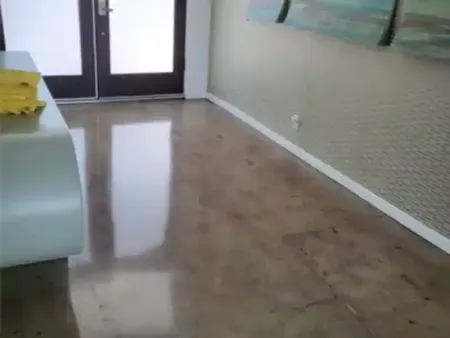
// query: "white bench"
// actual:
[[41, 205]]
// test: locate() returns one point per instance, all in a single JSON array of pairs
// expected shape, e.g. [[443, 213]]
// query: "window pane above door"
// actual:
[[48, 29], [141, 36]]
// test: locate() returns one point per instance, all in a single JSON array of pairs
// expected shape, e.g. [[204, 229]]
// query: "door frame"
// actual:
[[145, 84]]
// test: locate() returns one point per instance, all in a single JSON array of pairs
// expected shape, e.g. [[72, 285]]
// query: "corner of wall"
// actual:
[[198, 27]]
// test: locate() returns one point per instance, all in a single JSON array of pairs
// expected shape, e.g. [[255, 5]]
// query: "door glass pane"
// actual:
[[142, 36], [140, 219], [48, 29]]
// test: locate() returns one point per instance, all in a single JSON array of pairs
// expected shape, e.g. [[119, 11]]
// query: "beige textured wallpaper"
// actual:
[[379, 117]]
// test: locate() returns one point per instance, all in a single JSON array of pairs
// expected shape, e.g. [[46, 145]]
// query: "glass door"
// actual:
[[101, 48], [59, 34], [140, 46]]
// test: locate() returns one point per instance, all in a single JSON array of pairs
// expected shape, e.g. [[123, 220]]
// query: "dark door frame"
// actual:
[[84, 86], [140, 84], [2, 34]]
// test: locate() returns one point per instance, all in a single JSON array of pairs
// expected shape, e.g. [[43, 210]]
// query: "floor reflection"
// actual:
[[140, 184], [125, 231], [133, 220], [135, 313]]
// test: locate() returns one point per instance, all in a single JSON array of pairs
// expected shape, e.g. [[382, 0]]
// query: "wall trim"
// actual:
[[392, 211]]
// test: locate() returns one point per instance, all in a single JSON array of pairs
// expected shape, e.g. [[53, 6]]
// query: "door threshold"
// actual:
[[120, 99]]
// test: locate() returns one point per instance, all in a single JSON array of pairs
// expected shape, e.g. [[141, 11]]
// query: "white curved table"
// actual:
[[41, 204]]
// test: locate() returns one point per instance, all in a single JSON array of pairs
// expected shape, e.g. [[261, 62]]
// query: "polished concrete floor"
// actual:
[[201, 228]]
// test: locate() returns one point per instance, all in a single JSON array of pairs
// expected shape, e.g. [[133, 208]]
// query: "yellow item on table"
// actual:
[[19, 77], [19, 93], [17, 107]]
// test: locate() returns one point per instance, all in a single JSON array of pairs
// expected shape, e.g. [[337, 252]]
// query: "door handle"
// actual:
[[103, 7]]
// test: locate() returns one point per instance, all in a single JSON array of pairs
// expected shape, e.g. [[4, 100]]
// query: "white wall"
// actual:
[[377, 116], [197, 48]]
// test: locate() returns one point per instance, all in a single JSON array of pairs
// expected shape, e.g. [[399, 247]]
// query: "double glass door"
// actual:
[[101, 48]]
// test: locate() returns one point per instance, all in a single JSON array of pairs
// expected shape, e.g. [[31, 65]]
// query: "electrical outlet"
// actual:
[[296, 122]]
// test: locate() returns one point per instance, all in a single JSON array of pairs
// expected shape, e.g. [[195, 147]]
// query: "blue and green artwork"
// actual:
[[424, 28], [265, 10], [417, 26], [364, 21]]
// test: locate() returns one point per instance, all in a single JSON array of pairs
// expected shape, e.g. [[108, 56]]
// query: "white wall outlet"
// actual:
[[296, 121]]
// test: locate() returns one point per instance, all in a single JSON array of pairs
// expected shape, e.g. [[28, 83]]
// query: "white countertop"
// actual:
[[41, 205]]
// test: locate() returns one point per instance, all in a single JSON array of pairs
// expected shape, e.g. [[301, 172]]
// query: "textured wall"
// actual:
[[379, 117]]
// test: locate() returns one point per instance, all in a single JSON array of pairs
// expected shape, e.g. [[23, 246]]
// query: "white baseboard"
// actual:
[[400, 216], [194, 95]]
